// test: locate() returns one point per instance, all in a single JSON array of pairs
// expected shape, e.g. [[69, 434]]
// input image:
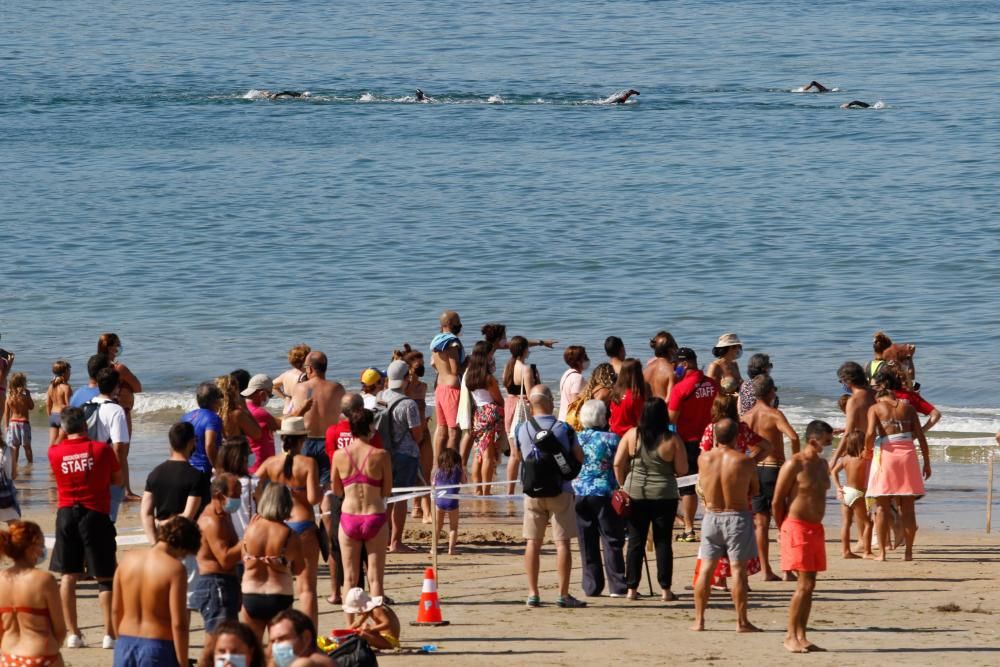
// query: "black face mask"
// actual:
[[457, 330], [419, 371]]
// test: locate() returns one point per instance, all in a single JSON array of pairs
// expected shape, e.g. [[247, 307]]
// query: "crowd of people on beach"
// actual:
[[239, 528]]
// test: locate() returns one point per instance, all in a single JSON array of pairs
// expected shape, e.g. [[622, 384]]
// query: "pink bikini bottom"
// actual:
[[362, 527]]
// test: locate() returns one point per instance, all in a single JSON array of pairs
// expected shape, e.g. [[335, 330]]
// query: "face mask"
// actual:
[[419, 371], [846, 388], [493, 367], [738, 354], [230, 660], [283, 654], [679, 371], [457, 330], [585, 366], [251, 460], [232, 504], [42, 557]]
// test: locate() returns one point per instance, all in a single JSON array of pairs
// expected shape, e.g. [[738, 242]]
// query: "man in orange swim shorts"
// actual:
[[799, 505]]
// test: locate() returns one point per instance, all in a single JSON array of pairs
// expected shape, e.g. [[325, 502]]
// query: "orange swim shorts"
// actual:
[[803, 546], [446, 405]]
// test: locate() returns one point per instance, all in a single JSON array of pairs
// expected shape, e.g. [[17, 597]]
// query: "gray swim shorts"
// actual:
[[727, 534]]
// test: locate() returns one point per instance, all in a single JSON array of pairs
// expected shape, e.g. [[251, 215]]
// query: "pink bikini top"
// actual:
[[358, 477]]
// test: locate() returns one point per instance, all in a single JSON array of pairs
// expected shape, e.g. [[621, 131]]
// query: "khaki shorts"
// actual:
[[560, 510]]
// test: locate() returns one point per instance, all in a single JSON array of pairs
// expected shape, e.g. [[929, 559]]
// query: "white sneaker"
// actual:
[[74, 641], [109, 642]]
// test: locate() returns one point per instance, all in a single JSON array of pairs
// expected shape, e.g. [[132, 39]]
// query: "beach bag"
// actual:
[[8, 494], [91, 412], [621, 501], [384, 423], [547, 465], [354, 651], [521, 414]]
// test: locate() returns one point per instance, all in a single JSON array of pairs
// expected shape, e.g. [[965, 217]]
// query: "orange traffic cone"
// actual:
[[429, 611]]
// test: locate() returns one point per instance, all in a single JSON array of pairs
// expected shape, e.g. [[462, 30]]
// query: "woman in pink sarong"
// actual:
[[895, 474]]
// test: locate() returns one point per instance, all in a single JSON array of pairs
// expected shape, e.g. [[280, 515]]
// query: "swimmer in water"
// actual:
[[855, 104], [815, 85], [285, 94], [421, 97], [622, 97]]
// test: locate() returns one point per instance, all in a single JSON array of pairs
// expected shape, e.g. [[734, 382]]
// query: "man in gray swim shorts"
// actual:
[[726, 479]]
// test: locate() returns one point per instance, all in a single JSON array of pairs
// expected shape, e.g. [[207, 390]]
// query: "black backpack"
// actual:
[[90, 413], [354, 652], [384, 424], [547, 465]]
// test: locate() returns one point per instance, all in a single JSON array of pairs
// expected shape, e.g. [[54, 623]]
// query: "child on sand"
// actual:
[[375, 622], [449, 471], [57, 397], [16, 411], [854, 509]]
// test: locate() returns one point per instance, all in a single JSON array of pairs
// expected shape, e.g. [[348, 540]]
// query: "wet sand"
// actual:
[[942, 607]]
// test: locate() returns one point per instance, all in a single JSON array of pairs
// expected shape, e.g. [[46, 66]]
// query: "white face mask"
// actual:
[[283, 653], [585, 366], [230, 660]]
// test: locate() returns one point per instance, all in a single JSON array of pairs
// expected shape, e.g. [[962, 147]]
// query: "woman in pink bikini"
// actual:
[[362, 475], [31, 615]]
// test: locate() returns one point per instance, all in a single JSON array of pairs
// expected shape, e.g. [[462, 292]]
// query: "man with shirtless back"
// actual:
[[726, 478], [799, 504], [861, 397], [322, 414], [448, 359], [149, 609], [770, 424], [659, 372]]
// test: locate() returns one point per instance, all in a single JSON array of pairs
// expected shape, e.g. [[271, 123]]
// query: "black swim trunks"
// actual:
[[768, 478], [693, 450]]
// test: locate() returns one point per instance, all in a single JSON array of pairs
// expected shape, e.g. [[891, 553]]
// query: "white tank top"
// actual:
[[482, 397]]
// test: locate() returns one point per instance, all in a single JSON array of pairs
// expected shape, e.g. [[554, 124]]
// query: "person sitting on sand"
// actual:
[[855, 466], [232, 644], [815, 86], [374, 621], [799, 505], [293, 641], [726, 479], [149, 609]]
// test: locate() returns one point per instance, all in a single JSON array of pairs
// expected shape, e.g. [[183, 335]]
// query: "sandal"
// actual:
[[533, 602]]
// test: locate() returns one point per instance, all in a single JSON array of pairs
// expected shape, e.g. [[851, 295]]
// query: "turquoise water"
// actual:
[[142, 193]]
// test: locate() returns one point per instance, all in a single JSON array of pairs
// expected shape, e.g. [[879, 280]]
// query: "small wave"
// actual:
[[495, 99], [879, 105], [367, 97], [254, 94], [802, 89]]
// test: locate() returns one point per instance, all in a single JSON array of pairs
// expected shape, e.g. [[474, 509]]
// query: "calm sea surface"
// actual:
[[140, 192]]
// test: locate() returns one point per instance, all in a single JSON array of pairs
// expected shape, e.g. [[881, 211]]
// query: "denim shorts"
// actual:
[[404, 470], [315, 448], [217, 598]]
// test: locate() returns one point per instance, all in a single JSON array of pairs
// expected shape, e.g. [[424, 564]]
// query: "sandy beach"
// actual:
[[941, 607]]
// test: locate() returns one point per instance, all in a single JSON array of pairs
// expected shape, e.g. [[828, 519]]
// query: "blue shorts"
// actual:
[[217, 598], [315, 448], [405, 470], [142, 652]]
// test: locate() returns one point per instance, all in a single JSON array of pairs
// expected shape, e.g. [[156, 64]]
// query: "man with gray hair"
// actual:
[[540, 511], [770, 424], [596, 521]]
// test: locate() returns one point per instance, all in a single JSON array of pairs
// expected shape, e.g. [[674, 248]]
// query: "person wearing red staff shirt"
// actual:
[[690, 409], [84, 471]]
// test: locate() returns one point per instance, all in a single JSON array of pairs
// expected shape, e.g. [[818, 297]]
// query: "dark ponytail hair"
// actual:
[[361, 421], [654, 423], [289, 443]]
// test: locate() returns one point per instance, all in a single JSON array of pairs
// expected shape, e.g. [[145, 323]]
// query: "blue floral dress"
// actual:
[[597, 477]]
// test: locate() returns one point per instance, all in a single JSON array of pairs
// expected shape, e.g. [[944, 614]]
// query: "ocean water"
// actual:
[[146, 190]]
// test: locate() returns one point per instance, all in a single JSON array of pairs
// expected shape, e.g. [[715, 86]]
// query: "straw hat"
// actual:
[[293, 426], [728, 340]]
